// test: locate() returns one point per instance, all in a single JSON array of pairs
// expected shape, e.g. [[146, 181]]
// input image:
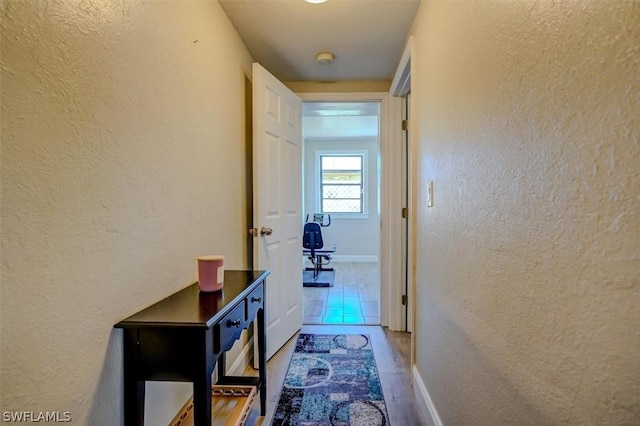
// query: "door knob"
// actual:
[[266, 231], [253, 231]]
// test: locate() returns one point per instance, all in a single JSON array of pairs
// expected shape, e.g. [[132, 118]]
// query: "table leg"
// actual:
[[202, 400], [134, 389], [262, 362], [202, 380], [222, 366]]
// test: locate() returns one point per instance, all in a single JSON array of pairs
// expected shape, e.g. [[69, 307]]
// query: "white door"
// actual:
[[277, 198]]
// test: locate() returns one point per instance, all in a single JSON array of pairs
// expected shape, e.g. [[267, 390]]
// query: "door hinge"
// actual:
[[405, 300], [405, 213], [405, 124]]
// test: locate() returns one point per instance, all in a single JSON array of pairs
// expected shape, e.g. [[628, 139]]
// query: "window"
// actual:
[[341, 183]]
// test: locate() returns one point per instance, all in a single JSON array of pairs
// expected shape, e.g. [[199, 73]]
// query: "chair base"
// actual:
[[324, 278]]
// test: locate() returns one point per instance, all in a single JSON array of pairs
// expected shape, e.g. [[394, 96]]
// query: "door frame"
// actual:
[[401, 87], [390, 210]]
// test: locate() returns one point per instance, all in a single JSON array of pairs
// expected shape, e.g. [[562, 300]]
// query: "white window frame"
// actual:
[[365, 184]]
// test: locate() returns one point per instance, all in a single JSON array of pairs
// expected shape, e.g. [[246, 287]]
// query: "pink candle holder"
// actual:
[[210, 273]]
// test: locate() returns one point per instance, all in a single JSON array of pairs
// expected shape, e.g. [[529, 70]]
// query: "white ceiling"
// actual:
[[366, 36]]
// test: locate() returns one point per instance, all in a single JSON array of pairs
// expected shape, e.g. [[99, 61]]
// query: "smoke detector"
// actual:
[[325, 58]]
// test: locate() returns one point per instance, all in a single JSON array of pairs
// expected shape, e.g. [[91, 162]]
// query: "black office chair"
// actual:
[[313, 245]]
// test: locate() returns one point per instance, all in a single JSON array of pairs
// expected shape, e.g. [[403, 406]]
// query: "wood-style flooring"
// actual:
[[391, 350]]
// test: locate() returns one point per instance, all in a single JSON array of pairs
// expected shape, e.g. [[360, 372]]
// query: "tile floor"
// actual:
[[354, 298]]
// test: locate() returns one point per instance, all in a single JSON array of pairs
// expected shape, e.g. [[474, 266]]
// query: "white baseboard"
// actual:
[[354, 258], [346, 258], [424, 400], [243, 360]]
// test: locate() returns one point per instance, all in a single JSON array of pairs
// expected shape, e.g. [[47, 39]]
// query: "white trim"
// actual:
[[349, 216], [401, 84], [425, 403], [342, 96], [386, 281], [354, 258], [364, 185]]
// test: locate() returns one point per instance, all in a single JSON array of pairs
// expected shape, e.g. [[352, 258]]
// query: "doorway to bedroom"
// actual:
[[341, 192]]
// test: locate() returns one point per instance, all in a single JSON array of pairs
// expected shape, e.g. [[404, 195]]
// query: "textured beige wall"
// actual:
[[528, 265], [123, 158]]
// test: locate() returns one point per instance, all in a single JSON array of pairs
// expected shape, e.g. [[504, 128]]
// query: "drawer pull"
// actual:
[[256, 299], [235, 323]]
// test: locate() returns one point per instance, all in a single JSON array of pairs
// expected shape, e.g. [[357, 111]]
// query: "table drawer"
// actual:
[[255, 301], [228, 330]]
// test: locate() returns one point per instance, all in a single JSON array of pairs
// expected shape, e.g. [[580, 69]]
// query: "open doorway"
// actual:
[[341, 175]]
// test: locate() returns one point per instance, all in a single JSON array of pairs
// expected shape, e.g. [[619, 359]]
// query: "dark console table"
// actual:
[[181, 338]]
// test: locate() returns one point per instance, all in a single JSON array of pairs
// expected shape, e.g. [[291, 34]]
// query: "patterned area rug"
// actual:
[[332, 380]]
